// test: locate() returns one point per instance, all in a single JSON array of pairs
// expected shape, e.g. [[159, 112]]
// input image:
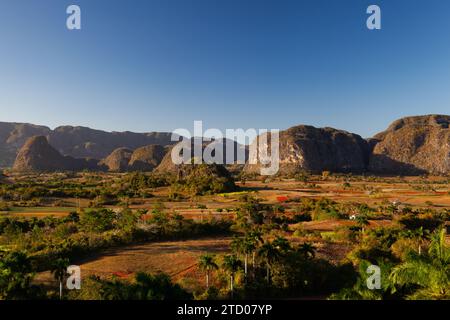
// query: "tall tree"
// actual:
[[248, 247], [362, 221], [308, 250], [207, 264], [59, 271], [245, 246], [254, 237], [232, 265], [269, 253], [281, 244], [419, 234]]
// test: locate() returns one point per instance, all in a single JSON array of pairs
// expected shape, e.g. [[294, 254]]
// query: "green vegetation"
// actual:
[[15, 277], [277, 248], [416, 276], [144, 287], [207, 264], [204, 179]]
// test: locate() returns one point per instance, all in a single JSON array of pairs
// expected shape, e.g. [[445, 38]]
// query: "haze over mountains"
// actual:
[[411, 145], [77, 142]]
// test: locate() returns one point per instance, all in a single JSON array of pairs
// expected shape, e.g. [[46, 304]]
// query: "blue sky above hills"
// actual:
[[158, 65]]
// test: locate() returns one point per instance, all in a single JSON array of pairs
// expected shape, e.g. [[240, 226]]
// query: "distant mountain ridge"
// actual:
[[410, 146], [74, 141]]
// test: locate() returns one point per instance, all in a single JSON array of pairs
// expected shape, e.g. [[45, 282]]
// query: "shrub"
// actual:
[[97, 220], [205, 179], [143, 287], [426, 221]]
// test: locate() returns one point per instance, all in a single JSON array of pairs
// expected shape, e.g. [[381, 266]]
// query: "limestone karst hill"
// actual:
[[306, 148], [409, 146], [74, 141], [413, 145], [147, 158], [38, 155]]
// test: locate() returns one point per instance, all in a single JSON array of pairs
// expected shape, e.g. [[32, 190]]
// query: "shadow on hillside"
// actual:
[[382, 164]]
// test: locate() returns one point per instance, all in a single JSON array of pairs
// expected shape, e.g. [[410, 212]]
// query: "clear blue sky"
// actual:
[[157, 65]]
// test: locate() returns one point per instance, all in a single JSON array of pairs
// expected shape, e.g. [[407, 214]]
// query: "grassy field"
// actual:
[[374, 193], [179, 259]]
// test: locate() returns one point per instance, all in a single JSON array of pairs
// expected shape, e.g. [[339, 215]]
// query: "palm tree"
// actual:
[[249, 246], [237, 245], [419, 234], [431, 271], [269, 253], [254, 238], [362, 221], [281, 244], [207, 263], [59, 270], [244, 246], [232, 265], [308, 250]]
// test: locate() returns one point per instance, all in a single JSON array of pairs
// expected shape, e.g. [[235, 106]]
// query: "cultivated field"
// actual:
[[386, 198]]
